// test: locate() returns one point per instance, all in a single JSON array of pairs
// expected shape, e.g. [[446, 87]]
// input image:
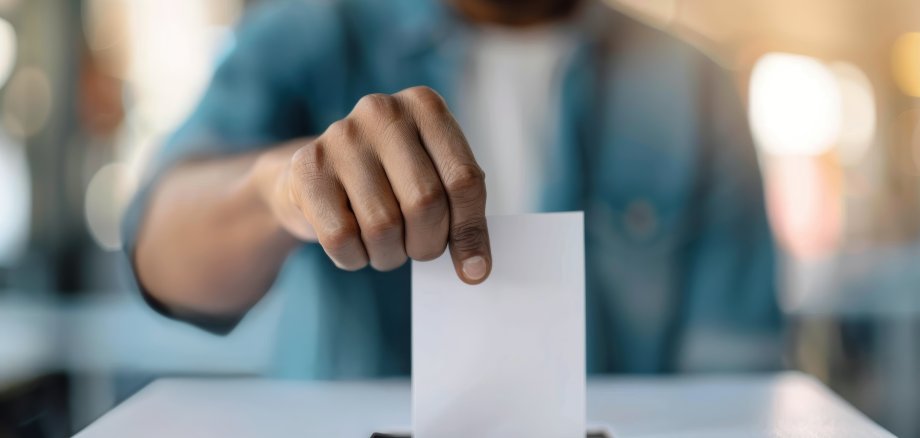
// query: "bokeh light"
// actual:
[[15, 201], [795, 105], [905, 137], [174, 45], [104, 205], [107, 34], [905, 63], [27, 102], [858, 126], [7, 50], [9, 5], [804, 205]]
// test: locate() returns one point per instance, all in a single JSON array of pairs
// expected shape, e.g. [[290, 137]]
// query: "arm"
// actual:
[[206, 219], [393, 180]]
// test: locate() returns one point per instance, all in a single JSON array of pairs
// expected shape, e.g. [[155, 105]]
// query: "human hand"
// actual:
[[395, 179]]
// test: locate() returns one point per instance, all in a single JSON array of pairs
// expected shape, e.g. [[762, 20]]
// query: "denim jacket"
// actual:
[[650, 142]]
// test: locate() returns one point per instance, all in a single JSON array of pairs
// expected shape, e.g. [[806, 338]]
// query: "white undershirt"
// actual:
[[506, 106]]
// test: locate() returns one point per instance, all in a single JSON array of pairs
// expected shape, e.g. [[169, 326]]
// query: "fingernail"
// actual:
[[474, 268]]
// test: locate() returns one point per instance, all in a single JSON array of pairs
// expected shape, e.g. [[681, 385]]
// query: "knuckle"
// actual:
[[469, 235], [344, 130], [308, 161], [382, 226], [466, 180], [378, 105], [427, 98], [427, 198], [338, 238]]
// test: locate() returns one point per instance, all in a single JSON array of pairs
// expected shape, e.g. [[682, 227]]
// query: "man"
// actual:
[[324, 155]]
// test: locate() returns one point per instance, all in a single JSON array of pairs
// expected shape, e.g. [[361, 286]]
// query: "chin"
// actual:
[[523, 6], [514, 12]]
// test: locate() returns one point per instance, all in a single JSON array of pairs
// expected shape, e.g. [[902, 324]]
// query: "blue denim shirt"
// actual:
[[651, 142]]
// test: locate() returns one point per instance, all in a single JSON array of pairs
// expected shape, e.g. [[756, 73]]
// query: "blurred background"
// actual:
[[90, 87]]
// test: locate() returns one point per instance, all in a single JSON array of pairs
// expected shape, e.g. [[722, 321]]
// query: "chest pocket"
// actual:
[[644, 179]]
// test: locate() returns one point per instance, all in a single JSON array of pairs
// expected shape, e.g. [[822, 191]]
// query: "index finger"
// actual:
[[463, 181]]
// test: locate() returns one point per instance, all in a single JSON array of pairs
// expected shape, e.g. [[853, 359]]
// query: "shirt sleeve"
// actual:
[[732, 309], [265, 90]]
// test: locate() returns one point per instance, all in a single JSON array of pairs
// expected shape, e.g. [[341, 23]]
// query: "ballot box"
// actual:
[[760, 405]]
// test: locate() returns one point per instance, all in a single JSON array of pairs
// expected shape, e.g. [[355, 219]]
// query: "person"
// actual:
[[325, 154]]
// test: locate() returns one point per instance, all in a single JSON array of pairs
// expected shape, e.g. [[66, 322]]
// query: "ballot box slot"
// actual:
[[593, 433]]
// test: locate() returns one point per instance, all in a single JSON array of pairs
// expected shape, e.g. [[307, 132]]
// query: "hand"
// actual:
[[395, 179]]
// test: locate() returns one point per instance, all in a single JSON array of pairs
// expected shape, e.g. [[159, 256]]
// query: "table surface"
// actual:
[[776, 405]]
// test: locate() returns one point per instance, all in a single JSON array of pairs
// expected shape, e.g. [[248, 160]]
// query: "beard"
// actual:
[[528, 6], [519, 11]]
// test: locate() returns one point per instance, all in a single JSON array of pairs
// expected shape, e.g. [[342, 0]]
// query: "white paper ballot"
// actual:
[[505, 358]]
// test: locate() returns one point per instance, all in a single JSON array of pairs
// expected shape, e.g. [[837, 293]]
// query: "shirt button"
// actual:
[[641, 219]]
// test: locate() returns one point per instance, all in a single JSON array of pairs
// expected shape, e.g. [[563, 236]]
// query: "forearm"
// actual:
[[210, 242]]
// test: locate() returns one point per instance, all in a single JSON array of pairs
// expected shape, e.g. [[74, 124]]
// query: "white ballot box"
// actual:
[[780, 405]]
